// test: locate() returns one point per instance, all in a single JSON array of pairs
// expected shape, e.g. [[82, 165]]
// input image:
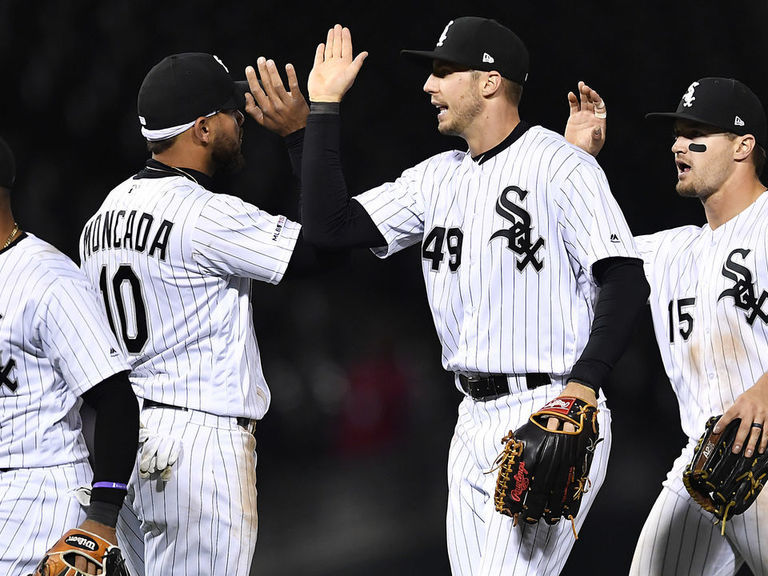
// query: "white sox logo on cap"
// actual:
[[444, 35], [688, 97]]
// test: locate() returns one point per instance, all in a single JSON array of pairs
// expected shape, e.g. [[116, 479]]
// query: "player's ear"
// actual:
[[492, 83], [744, 146], [202, 129]]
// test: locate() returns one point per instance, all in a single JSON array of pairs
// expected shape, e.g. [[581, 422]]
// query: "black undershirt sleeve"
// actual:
[[623, 293], [116, 440], [307, 259], [329, 218]]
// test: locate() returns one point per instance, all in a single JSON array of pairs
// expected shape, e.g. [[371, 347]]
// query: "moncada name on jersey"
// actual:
[[127, 230]]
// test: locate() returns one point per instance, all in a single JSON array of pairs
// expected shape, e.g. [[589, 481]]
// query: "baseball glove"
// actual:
[[544, 473], [722, 482], [60, 559]]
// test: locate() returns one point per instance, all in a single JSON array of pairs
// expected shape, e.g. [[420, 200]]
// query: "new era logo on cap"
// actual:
[[738, 122], [487, 57]]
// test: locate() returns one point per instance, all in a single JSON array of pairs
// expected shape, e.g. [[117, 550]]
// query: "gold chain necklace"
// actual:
[[12, 236]]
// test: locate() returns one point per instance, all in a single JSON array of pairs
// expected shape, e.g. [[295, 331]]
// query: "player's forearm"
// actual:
[[116, 434], [623, 293], [329, 218]]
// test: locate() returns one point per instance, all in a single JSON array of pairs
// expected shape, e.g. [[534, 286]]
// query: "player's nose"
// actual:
[[430, 86], [679, 145]]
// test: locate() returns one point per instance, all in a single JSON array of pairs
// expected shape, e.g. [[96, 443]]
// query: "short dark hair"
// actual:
[[512, 91], [159, 146], [758, 155]]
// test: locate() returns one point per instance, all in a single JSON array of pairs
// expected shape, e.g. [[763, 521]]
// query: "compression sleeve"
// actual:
[[116, 437], [623, 292], [328, 216]]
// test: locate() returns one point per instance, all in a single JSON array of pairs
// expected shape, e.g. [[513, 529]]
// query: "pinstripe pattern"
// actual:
[[723, 355], [193, 254], [712, 353], [679, 538], [201, 351], [480, 541], [54, 346], [37, 505], [204, 519], [482, 327], [501, 309]]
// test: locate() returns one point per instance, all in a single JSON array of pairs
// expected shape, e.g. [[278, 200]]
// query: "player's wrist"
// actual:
[[324, 107], [580, 390], [104, 514]]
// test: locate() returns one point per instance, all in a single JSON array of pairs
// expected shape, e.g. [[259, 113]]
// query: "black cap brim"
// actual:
[[237, 101]]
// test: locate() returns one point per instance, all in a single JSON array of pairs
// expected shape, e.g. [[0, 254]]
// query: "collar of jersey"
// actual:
[[519, 130], [155, 169], [16, 240]]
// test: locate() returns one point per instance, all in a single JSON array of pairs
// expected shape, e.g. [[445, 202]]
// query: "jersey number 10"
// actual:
[[126, 285]]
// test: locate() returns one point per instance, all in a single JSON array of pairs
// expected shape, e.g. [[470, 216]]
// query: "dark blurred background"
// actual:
[[353, 451]]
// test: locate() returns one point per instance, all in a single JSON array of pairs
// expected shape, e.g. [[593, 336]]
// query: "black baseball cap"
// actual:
[[182, 87], [723, 103], [480, 44], [7, 165]]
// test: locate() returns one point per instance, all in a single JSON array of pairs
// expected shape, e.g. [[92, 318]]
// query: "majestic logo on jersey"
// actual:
[[519, 234], [743, 290], [688, 97], [5, 376]]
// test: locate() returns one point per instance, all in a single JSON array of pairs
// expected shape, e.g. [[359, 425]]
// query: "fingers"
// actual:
[[293, 80], [753, 440], [573, 103]]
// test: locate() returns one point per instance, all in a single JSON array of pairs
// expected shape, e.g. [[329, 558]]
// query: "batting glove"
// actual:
[[158, 454]]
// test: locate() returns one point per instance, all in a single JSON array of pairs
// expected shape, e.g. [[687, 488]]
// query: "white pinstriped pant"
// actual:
[[680, 538], [37, 505], [482, 542], [204, 519]]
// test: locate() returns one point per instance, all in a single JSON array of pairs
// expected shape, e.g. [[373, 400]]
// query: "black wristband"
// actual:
[[103, 512], [325, 107]]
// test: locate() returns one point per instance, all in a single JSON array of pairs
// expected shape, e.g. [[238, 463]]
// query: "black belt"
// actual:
[[496, 385], [242, 421]]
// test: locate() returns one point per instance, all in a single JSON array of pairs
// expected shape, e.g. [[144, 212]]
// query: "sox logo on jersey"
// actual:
[[743, 290], [5, 375], [519, 234]]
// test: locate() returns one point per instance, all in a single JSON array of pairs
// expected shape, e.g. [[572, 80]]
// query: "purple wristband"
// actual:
[[116, 485]]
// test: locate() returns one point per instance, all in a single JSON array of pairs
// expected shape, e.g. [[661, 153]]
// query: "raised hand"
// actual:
[[587, 123], [270, 104], [334, 70]]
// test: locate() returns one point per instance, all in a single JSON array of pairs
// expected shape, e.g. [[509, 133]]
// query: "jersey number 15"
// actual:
[[684, 323]]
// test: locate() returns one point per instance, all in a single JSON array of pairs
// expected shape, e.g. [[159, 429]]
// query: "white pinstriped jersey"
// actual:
[[708, 301], [507, 249], [55, 345], [176, 262]]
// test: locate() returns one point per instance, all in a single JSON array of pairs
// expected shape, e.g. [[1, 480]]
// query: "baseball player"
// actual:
[[711, 322], [55, 348], [174, 261], [530, 268]]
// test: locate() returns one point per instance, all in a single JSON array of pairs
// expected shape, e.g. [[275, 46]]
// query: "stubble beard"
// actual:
[[464, 114], [228, 156]]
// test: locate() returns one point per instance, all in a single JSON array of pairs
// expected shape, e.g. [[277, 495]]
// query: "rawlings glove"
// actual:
[[722, 482], [543, 473], [158, 454], [60, 559]]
